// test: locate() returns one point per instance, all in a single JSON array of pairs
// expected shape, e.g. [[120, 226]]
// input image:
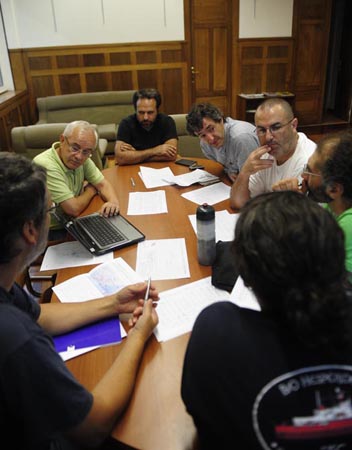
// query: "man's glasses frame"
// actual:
[[306, 171], [273, 129], [75, 149]]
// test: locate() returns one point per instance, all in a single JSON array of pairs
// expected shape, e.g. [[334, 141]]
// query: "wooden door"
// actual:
[[311, 34], [210, 36]]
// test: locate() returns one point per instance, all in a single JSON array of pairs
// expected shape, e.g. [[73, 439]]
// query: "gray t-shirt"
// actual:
[[240, 139]]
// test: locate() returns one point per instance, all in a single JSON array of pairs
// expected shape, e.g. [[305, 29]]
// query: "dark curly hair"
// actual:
[[200, 111], [336, 160], [290, 251], [22, 198], [149, 93]]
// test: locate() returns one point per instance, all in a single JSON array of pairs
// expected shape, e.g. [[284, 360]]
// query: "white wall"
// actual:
[[265, 18], [46, 23]]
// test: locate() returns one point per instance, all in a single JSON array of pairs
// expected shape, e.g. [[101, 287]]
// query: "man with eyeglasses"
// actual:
[[222, 139], [282, 154], [72, 177], [327, 179]]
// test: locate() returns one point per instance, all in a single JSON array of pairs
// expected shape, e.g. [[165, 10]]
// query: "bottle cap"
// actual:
[[205, 212]]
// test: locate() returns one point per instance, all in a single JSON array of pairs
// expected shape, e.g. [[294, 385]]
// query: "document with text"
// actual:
[[105, 279], [71, 254], [155, 177], [212, 194], [178, 308], [197, 176], [162, 259], [142, 203]]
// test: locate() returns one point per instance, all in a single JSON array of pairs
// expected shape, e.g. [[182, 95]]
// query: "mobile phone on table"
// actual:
[[186, 162]]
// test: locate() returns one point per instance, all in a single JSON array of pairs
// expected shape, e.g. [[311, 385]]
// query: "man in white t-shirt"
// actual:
[[282, 154]]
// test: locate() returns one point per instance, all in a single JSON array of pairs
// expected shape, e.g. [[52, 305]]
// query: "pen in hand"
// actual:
[[147, 291]]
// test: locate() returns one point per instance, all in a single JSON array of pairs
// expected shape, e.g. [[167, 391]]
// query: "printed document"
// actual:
[[197, 176], [178, 308], [141, 203], [71, 254], [211, 195], [155, 177], [224, 225], [162, 259], [242, 296], [105, 279]]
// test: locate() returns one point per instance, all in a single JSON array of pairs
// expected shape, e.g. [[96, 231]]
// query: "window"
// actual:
[[6, 81]]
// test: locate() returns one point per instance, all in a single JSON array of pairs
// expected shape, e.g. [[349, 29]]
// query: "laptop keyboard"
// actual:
[[101, 230]]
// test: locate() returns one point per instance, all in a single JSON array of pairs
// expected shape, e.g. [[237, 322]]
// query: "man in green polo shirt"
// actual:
[[72, 177], [327, 179]]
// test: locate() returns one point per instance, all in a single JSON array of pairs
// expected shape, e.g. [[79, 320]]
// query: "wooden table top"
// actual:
[[155, 418]]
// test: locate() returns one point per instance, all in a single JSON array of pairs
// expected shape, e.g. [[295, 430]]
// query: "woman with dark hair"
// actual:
[[280, 378]]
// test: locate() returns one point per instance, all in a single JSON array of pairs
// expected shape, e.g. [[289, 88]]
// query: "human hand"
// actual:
[[124, 147], [167, 151], [144, 319], [131, 297], [110, 209], [254, 163], [290, 184]]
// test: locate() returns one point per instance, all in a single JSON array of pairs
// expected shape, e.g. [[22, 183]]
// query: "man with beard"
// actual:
[[282, 154], [146, 135], [327, 179]]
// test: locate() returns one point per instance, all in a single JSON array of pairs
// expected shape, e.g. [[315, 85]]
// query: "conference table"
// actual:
[[156, 418]]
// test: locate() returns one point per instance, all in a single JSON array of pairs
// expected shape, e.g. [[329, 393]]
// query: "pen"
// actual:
[[147, 290], [132, 182]]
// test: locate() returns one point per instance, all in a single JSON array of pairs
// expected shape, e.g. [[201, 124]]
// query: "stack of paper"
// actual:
[[197, 176]]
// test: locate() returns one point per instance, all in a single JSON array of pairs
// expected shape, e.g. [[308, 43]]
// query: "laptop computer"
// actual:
[[100, 234]]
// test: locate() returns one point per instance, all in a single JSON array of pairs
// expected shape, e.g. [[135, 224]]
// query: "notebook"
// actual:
[[100, 234]]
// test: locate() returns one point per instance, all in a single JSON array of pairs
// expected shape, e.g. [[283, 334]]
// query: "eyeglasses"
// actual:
[[273, 129], [306, 171], [75, 148]]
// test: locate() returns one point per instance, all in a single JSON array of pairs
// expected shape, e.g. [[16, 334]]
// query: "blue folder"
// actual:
[[104, 332]]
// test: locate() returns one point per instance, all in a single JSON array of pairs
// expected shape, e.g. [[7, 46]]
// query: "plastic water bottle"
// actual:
[[206, 234]]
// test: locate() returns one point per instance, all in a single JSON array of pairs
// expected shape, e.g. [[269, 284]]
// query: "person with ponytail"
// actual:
[[281, 377]]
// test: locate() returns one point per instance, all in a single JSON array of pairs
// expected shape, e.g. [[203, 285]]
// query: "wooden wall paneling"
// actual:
[[311, 32], [14, 112], [202, 60], [64, 70], [220, 63]]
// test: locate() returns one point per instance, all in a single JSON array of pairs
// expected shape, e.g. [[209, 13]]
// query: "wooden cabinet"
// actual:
[[14, 112], [248, 103]]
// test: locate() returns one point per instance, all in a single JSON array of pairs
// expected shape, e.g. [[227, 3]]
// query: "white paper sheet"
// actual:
[[71, 254], [190, 178], [210, 194], [224, 225], [244, 297], [103, 280], [178, 308], [162, 259], [155, 177], [141, 203]]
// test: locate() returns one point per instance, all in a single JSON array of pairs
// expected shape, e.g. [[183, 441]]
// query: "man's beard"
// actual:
[[319, 194]]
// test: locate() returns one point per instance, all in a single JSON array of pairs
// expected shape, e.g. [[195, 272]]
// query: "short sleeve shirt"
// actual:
[[131, 132]]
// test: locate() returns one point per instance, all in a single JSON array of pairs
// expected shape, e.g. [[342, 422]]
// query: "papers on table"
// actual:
[[210, 194], [71, 254], [141, 203], [178, 308], [155, 177], [197, 176], [104, 279], [224, 225], [244, 297], [162, 259]]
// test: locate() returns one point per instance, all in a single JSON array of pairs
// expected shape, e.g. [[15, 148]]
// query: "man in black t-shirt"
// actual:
[[42, 405], [146, 135]]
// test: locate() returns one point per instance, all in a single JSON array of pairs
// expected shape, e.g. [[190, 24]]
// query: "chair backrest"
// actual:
[[95, 107], [34, 139], [187, 145]]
